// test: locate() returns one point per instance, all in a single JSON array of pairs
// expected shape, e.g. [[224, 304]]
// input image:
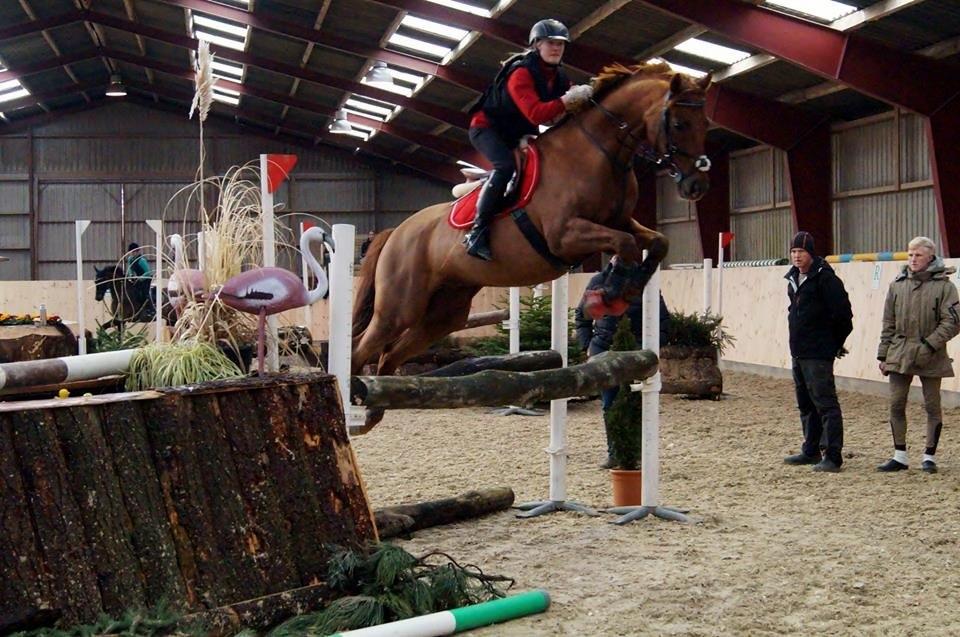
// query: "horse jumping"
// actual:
[[130, 298], [417, 281]]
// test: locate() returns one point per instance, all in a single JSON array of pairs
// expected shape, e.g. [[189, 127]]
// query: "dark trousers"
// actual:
[[500, 154], [608, 395], [819, 408]]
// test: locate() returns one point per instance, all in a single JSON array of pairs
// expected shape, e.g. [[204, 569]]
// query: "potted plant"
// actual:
[[690, 352], [625, 429]]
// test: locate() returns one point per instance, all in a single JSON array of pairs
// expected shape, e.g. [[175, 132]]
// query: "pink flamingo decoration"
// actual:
[[267, 291], [185, 283]]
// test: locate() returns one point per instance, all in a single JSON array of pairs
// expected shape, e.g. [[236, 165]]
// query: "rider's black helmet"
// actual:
[[549, 28]]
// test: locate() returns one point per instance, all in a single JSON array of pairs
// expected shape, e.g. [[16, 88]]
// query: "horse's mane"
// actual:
[[616, 74]]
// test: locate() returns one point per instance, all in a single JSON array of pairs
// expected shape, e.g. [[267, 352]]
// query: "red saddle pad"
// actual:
[[465, 208]]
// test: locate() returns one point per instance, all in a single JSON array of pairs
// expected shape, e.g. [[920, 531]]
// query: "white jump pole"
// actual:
[[341, 321], [79, 228], [650, 412], [513, 323], [558, 416], [707, 285], [157, 226], [272, 364], [720, 275], [305, 276]]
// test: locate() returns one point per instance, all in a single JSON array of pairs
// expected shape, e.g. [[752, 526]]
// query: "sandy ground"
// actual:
[[778, 549]]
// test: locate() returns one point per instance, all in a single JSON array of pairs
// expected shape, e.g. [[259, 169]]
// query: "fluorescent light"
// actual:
[[216, 39], [228, 69], [463, 6], [435, 28], [407, 77], [13, 95], [217, 25], [9, 84], [407, 42], [226, 91], [226, 99], [826, 10], [711, 51], [369, 108]]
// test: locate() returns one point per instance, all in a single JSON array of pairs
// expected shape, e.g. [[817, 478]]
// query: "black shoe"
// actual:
[[827, 465], [928, 466], [892, 465], [801, 458], [478, 243]]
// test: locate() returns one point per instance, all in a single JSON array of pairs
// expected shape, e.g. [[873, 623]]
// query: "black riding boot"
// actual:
[[616, 281], [478, 239]]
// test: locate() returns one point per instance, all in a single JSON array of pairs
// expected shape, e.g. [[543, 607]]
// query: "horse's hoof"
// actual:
[[596, 307]]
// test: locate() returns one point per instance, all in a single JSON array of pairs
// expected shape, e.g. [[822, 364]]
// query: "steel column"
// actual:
[[713, 211]]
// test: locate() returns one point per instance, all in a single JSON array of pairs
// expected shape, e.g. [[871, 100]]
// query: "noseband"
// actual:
[[643, 149]]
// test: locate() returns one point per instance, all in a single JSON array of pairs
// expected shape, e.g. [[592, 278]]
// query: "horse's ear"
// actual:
[[704, 82], [676, 84]]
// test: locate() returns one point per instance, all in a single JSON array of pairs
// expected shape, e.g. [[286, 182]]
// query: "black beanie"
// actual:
[[804, 241]]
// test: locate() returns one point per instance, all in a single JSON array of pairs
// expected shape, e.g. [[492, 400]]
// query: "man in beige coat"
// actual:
[[921, 314]]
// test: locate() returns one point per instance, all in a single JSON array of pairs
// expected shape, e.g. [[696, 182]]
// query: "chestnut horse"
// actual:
[[417, 281]]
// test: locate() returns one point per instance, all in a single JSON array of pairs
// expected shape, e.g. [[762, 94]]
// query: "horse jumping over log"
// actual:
[[130, 297], [417, 281]]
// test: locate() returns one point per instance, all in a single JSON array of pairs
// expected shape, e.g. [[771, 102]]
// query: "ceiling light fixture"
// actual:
[[341, 123], [379, 75], [116, 88]]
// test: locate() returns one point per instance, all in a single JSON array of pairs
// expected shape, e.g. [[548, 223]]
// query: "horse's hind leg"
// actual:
[[656, 245]]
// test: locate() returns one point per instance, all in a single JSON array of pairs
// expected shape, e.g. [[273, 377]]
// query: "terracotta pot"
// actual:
[[626, 487]]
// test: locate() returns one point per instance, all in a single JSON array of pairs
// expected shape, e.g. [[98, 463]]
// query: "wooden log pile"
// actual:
[[690, 370], [203, 496], [29, 343]]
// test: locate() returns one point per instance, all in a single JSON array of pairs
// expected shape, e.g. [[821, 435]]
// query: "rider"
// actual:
[[529, 90], [137, 265]]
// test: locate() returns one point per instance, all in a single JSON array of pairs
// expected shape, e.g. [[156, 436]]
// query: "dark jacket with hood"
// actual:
[[497, 104], [597, 336], [820, 317]]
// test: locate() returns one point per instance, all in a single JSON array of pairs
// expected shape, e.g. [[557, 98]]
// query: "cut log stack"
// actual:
[[202, 496]]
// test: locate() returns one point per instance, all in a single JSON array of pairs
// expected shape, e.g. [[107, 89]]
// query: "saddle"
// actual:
[[518, 194]]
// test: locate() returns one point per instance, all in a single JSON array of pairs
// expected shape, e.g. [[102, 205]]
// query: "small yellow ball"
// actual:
[[63, 393]]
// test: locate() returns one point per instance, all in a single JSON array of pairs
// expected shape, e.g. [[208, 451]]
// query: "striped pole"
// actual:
[[458, 620]]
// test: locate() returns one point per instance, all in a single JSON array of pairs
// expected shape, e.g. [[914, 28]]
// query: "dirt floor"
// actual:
[[778, 549]]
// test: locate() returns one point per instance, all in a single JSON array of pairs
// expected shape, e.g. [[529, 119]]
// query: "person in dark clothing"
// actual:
[[596, 337], [366, 244], [820, 319], [529, 90]]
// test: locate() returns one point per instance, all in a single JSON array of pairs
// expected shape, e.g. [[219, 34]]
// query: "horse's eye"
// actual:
[[679, 125]]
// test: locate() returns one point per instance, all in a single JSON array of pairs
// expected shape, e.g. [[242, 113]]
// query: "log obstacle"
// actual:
[[521, 362], [493, 387], [486, 318], [203, 496], [407, 518], [14, 376]]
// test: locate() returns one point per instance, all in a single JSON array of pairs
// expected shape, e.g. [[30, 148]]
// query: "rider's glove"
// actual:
[[576, 96]]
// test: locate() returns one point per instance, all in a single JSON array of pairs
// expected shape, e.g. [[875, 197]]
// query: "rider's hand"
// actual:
[[576, 96]]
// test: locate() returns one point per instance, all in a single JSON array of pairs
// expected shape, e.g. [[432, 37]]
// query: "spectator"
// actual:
[[366, 244], [595, 337], [820, 320], [921, 314]]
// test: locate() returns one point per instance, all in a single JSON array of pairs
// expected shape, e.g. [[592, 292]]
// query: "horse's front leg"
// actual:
[[578, 238], [657, 245]]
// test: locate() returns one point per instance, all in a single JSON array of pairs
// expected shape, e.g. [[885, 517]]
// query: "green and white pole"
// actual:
[[458, 620]]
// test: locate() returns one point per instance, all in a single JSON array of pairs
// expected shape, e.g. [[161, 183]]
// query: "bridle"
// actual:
[[639, 147]]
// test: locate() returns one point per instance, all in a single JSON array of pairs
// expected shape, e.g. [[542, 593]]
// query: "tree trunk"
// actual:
[[29, 343], [486, 318], [690, 370], [260, 613], [406, 518], [203, 496], [492, 388], [522, 362]]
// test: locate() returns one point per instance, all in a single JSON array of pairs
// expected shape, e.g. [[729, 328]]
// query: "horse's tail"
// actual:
[[363, 301]]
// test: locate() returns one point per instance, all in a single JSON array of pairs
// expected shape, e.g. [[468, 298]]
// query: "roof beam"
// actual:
[[33, 26], [7, 128], [898, 78], [330, 41], [597, 16], [35, 99], [668, 44], [46, 64], [441, 113]]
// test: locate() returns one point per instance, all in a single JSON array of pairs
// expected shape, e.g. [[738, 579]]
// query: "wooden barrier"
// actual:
[[202, 496], [493, 388]]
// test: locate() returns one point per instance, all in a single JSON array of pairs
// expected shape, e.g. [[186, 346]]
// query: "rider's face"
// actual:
[[551, 51]]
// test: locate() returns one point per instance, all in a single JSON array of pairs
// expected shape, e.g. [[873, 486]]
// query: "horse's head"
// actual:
[[662, 113], [105, 278], [678, 132]]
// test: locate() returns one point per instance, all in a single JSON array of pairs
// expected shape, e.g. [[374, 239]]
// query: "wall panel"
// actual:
[[914, 149], [864, 156], [885, 221], [751, 179], [684, 242], [761, 235]]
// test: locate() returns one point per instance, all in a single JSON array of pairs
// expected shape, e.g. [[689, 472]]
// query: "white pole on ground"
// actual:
[[269, 260], [720, 275], [558, 416], [650, 412], [341, 309], [513, 323], [707, 284], [305, 275], [157, 226], [79, 228]]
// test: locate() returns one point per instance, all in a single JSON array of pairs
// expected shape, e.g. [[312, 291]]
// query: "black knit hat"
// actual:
[[804, 241]]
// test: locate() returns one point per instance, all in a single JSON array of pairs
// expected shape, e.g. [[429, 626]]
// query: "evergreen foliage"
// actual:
[[624, 417], [535, 328], [697, 330], [134, 623]]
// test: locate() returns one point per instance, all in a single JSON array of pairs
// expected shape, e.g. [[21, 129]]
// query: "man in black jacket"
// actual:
[[596, 337], [820, 320]]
